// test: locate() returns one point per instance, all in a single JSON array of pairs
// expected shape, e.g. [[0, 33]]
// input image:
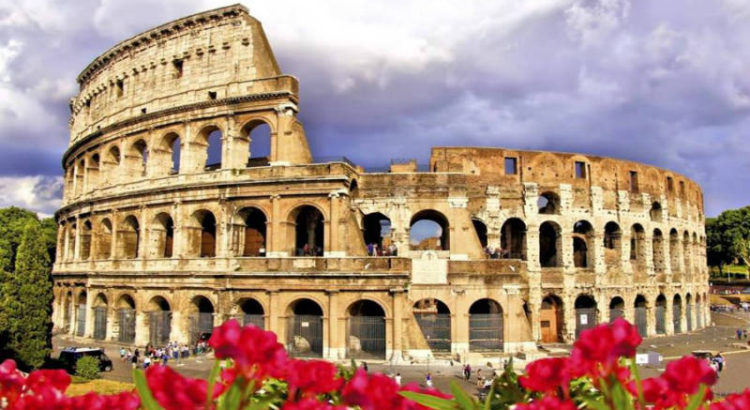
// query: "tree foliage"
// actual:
[[28, 295], [728, 237], [87, 367]]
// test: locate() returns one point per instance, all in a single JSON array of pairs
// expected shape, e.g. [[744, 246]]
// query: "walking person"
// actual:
[[467, 371], [398, 378], [739, 334], [134, 359], [428, 380]]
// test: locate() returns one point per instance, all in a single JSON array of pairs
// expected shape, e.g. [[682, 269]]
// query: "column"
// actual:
[[142, 331], [598, 253], [334, 345], [77, 244], [276, 235]]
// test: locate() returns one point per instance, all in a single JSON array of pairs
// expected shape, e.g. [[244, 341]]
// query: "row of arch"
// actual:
[[165, 155]]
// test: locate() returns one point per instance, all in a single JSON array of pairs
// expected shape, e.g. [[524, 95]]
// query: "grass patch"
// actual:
[[100, 386], [718, 300]]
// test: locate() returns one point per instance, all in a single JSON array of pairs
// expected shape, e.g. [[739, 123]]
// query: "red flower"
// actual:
[[310, 404], [687, 374], [11, 382], [737, 401], [312, 377], [255, 352], [93, 401], [597, 350], [546, 375], [547, 403], [44, 379], [173, 391]]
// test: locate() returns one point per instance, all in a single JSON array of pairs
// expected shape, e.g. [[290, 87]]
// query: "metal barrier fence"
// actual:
[[201, 324], [486, 331], [698, 315], [585, 319], [367, 337], [677, 318], [256, 320], [615, 313], [436, 329], [661, 319], [641, 321], [100, 322], [127, 326], [81, 319], [305, 335], [689, 317], [160, 327]]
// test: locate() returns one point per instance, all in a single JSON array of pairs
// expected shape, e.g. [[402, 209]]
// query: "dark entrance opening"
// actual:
[[434, 319], [254, 231], [366, 330], [661, 315], [308, 232], [641, 315], [305, 334], [485, 326], [377, 231], [252, 313], [586, 313], [616, 308]]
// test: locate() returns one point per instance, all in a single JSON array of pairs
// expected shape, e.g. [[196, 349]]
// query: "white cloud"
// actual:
[[37, 193]]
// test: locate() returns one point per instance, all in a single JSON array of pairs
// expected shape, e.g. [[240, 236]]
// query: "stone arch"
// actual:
[[202, 234], [159, 318], [209, 156], [586, 313], [637, 246], [100, 309], [641, 314], [376, 232], [68, 311], [616, 308], [354, 188], [103, 238], [305, 336], [70, 253], [200, 312], [367, 334], [81, 302], [657, 250], [309, 230], [129, 237], [111, 164], [86, 233], [92, 172], [480, 228], [548, 203], [612, 244], [485, 325], [686, 252], [689, 312], [429, 230], [252, 312], [677, 313], [162, 236], [125, 318], [583, 244], [660, 315], [674, 250], [698, 312], [138, 157], [550, 245], [254, 231], [513, 239], [259, 135], [655, 213], [169, 151]]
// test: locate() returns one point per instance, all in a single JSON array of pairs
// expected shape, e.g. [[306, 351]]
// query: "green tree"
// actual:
[[28, 301], [728, 237], [13, 220]]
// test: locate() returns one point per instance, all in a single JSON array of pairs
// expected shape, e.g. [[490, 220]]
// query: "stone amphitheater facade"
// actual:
[[171, 221]]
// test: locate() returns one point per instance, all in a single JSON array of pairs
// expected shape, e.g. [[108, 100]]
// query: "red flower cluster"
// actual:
[[45, 389], [681, 379], [174, 392], [739, 401], [598, 350], [547, 375], [547, 403]]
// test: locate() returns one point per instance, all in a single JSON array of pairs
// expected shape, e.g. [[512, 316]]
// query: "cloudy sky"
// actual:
[[663, 82]]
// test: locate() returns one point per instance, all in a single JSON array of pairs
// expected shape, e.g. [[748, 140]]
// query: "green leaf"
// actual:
[[462, 398], [148, 401], [211, 382], [430, 401], [697, 399], [232, 399], [596, 404], [637, 376]]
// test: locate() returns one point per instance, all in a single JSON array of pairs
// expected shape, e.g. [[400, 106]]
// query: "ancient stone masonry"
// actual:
[[175, 218]]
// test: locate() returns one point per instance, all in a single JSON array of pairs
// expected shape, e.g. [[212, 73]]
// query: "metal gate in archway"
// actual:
[[127, 326], [585, 319], [81, 319], [201, 326], [436, 329], [689, 317], [305, 335], [100, 322], [366, 337], [641, 321], [485, 331], [257, 320], [698, 316], [676, 318], [160, 327], [661, 319], [614, 313]]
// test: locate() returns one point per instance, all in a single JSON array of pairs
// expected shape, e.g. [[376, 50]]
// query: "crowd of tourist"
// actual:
[[154, 355], [308, 250], [496, 253], [373, 249]]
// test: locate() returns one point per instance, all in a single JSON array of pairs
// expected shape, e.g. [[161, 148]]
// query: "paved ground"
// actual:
[[721, 337]]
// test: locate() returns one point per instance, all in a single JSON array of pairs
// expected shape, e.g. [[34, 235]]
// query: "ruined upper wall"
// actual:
[[207, 56], [553, 168]]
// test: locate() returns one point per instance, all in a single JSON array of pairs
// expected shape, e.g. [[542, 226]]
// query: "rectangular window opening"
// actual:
[[633, 181], [670, 184], [120, 88], [212, 95], [177, 68], [511, 166], [143, 110], [580, 170]]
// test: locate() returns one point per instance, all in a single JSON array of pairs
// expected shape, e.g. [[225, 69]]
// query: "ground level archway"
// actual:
[[366, 337], [551, 319], [434, 320], [641, 315], [485, 326], [125, 319], [159, 321], [586, 313], [616, 308], [305, 334], [252, 313]]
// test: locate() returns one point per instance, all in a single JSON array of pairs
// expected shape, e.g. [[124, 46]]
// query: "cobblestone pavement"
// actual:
[[721, 337]]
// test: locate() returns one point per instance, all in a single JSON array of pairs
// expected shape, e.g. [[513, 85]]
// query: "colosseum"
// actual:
[[191, 197]]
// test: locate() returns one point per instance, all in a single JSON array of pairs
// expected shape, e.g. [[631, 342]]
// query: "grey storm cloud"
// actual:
[[662, 82]]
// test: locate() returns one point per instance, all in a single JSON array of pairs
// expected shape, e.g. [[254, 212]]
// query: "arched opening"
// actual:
[[67, 311], [686, 252], [125, 319], [86, 241], [641, 315], [70, 252], [434, 320], [550, 240], [112, 161], [259, 142], [129, 236], [551, 319], [677, 313], [481, 230], [81, 314], [354, 189], [661, 314], [612, 244], [657, 250], [171, 148], [366, 330], [305, 336], [104, 240], [698, 312], [159, 321], [203, 235], [100, 317], [689, 312], [139, 153], [655, 212], [252, 313], [586, 313], [201, 319], [309, 231], [616, 308], [254, 232], [485, 326], [377, 234], [637, 248], [80, 173], [549, 203], [583, 235], [429, 230], [674, 251], [92, 173], [513, 239], [212, 138], [162, 233]]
